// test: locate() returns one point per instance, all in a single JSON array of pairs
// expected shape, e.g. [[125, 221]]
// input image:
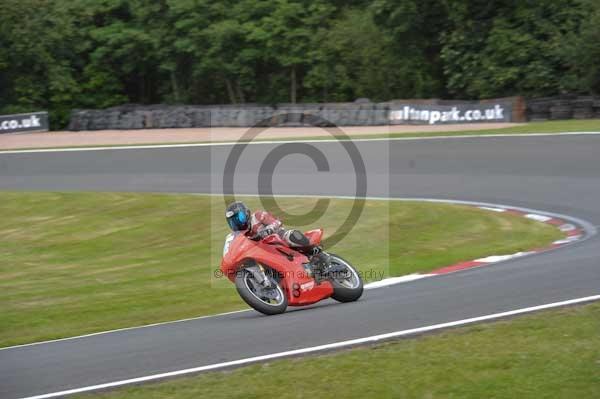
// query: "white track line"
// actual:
[[538, 218], [267, 142], [567, 227], [567, 240], [487, 208], [589, 228], [312, 349], [502, 258]]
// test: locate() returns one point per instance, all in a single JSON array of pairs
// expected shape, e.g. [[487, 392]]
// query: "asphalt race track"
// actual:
[[554, 174]]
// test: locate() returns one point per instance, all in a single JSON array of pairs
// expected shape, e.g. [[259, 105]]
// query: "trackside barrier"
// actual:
[[32, 122]]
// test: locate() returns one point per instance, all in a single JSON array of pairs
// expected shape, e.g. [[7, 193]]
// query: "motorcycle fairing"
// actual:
[[300, 288]]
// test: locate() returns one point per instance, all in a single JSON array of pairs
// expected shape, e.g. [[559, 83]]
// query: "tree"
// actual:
[[288, 34], [122, 45], [355, 58], [582, 48], [503, 48], [416, 27], [37, 64], [218, 42], [99, 53]]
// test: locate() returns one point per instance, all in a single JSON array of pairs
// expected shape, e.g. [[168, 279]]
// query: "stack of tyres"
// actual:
[[597, 107], [583, 108], [561, 109], [539, 109]]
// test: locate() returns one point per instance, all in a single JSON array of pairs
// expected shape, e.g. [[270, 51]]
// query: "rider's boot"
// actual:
[[318, 261]]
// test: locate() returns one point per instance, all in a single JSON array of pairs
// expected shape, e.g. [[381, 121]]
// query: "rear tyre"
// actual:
[[266, 301], [347, 286]]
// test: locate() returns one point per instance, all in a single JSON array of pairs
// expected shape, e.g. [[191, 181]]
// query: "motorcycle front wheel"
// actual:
[[347, 285], [267, 300]]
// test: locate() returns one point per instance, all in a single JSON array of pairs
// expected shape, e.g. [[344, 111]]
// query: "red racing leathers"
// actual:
[[262, 224]]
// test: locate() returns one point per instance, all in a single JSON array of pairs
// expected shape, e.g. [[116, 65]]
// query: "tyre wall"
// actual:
[[359, 113]]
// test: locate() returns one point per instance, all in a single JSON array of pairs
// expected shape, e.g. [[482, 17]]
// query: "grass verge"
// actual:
[[76, 263], [532, 127], [550, 127], [555, 354]]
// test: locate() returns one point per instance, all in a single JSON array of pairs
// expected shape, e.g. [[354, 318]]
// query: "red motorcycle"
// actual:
[[270, 276]]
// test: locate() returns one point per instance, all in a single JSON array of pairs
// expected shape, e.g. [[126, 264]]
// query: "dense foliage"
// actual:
[[64, 54]]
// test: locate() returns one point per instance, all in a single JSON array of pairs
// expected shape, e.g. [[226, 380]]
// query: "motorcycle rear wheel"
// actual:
[[253, 294]]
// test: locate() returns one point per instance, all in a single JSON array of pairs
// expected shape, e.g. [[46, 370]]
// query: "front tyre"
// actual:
[[269, 301], [347, 284]]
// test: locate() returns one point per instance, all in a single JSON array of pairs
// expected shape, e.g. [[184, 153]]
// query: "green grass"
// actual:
[[532, 127], [555, 354], [76, 263]]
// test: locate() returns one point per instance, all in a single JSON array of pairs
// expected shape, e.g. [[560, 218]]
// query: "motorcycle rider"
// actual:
[[261, 224]]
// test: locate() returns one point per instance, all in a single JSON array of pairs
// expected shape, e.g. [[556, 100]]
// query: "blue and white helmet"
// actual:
[[238, 216]]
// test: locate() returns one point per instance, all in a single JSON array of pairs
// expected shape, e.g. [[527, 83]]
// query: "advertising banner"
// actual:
[[430, 114], [33, 122]]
